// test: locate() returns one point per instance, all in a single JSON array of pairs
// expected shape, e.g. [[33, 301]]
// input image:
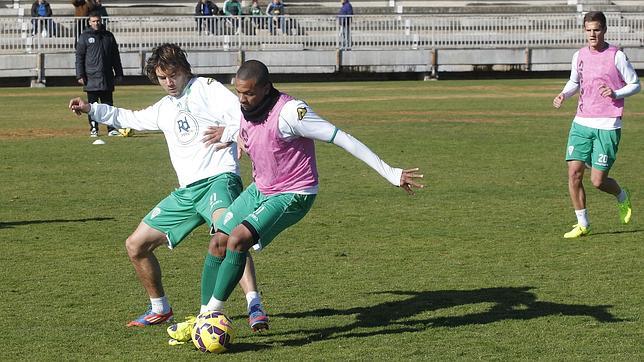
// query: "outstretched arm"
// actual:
[[297, 119], [143, 120], [405, 178]]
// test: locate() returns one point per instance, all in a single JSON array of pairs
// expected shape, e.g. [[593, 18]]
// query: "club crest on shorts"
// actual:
[[155, 213], [228, 217], [186, 128], [570, 149]]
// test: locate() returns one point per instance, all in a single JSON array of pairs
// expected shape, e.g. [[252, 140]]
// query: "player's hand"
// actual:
[[559, 99], [606, 91], [408, 180], [241, 147], [81, 81], [212, 135], [79, 106]]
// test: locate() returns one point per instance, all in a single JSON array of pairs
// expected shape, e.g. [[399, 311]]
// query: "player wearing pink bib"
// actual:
[[604, 77], [278, 133]]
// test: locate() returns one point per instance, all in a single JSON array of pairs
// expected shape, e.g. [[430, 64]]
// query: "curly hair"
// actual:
[[168, 57]]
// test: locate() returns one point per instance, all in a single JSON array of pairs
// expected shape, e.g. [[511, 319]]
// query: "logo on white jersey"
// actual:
[[301, 112], [186, 128]]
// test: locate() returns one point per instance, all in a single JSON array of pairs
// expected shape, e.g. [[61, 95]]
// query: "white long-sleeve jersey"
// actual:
[[204, 102], [297, 119]]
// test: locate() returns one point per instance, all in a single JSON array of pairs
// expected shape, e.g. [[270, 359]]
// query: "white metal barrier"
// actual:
[[21, 35]]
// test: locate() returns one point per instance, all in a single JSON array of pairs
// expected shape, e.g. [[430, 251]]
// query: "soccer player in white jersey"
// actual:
[[604, 77], [278, 133], [208, 173]]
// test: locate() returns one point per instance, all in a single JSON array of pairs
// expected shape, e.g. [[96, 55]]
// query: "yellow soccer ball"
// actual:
[[213, 332]]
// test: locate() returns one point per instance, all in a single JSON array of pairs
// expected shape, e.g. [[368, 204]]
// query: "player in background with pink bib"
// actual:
[[604, 77]]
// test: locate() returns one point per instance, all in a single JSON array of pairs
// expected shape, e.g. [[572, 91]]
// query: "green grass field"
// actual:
[[473, 267]]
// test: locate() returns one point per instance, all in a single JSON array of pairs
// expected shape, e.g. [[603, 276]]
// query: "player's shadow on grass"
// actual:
[[615, 232], [399, 316], [11, 224]]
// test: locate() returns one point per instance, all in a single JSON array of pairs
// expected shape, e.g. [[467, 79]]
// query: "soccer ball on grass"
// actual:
[[213, 332]]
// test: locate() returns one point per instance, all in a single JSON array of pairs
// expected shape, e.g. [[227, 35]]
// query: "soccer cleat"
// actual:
[[257, 318], [174, 342], [113, 133], [150, 318], [93, 132], [182, 331], [577, 231], [125, 132], [625, 209]]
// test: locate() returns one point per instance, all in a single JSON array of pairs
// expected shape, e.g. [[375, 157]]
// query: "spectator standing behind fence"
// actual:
[[276, 12], [82, 8], [41, 9], [98, 63], [233, 9], [205, 11], [344, 19], [257, 17]]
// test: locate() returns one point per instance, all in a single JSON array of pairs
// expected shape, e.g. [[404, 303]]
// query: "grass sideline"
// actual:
[[473, 267]]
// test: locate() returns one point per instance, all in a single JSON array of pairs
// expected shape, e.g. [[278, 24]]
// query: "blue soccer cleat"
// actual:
[[257, 318], [150, 318]]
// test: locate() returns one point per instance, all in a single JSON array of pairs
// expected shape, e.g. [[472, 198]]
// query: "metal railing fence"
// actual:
[[58, 34]]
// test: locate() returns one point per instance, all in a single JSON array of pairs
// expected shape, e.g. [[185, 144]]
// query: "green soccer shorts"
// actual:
[[595, 147], [268, 215], [187, 208]]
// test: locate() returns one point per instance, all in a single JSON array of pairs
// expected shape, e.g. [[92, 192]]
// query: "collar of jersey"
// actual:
[[186, 89]]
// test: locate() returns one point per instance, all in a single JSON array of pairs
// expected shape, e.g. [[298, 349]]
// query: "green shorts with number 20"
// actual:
[[595, 147]]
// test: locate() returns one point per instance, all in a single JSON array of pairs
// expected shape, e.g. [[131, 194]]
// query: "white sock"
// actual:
[[204, 309], [253, 298], [622, 196], [214, 304], [160, 305], [582, 217]]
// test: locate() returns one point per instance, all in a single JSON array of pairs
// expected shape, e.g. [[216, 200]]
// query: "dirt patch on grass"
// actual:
[[27, 133]]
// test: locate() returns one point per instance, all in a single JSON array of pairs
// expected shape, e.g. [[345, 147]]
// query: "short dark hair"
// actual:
[[595, 16], [254, 69], [169, 58], [94, 14]]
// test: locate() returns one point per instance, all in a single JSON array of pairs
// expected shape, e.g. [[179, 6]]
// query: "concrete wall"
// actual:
[[426, 61]]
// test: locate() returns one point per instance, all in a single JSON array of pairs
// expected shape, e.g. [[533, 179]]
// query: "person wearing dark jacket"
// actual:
[[98, 65], [41, 9], [205, 10], [344, 18]]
